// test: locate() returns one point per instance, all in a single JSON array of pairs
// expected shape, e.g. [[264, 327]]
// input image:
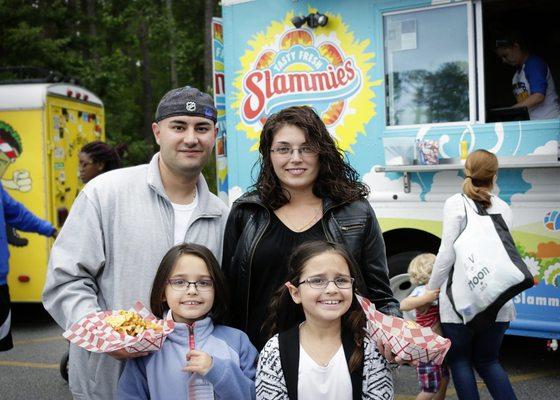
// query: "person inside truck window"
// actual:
[[532, 83], [98, 157], [305, 191], [472, 350]]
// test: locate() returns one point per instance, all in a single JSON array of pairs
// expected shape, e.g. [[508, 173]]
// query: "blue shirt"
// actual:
[[159, 375], [16, 215]]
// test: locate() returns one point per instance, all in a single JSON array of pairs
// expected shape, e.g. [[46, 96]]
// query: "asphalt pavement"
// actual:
[[31, 369]]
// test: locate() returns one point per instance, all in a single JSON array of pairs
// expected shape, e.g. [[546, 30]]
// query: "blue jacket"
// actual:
[[16, 215], [159, 375]]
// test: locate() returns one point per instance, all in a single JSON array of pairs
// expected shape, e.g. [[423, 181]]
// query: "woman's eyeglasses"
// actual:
[[202, 285], [286, 151], [316, 282]]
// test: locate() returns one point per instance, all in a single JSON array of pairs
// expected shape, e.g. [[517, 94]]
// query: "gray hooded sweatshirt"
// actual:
[[107, 254]]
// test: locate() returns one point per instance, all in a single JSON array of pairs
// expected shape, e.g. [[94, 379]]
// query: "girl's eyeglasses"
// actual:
[[341, 282], [203, 285]]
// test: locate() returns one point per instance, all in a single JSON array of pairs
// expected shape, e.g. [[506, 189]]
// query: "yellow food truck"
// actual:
[[42, 128]]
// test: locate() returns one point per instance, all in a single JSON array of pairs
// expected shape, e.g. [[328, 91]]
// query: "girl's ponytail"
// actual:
[[480, 169]]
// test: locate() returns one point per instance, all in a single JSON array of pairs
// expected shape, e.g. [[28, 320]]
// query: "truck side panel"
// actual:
[[25, 180]]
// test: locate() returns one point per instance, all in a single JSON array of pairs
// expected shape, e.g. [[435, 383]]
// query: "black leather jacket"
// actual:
[[352, 224]]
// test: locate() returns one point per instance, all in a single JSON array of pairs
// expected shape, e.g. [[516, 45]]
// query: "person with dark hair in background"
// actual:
[[98, 157], [305, 191], [533, 86], [15, 214]]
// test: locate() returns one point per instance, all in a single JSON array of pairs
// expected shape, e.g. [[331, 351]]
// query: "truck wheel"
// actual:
[[399, 279], [64, 366]]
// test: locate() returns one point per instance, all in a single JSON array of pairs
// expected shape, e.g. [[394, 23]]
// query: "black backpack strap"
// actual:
[[288, 346], [357, 376]]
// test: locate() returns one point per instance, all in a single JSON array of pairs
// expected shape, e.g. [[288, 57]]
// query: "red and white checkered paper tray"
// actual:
[[94, 334], [407, 339]]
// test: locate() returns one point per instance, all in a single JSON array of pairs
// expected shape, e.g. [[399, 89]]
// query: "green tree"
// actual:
[[128, 52]]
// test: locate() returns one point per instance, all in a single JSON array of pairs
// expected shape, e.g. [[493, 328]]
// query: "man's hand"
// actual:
[[122, 354], [199, 362]]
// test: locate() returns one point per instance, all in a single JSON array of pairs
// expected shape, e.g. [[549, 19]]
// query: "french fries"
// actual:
[[130, 323]]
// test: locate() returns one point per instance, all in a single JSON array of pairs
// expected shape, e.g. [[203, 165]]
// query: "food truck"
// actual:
[[43, 125], [390, 78]]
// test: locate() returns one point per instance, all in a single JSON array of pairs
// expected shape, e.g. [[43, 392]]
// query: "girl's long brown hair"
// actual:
[[336, 180], [285, 314], [481, 167], [159, 306]]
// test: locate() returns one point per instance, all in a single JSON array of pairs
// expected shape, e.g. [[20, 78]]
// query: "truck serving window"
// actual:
[[426, 55], [535, 23]]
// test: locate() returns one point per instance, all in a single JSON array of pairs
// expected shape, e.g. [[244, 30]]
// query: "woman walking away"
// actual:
[[472, 350]]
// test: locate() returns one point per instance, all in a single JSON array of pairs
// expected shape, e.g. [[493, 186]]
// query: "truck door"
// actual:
[[71, 124]]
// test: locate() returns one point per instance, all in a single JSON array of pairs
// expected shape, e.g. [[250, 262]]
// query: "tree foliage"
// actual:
[[122, 50]]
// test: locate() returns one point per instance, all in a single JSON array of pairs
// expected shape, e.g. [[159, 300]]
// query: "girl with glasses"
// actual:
[[321, 350], [200, 359], [305, 191]]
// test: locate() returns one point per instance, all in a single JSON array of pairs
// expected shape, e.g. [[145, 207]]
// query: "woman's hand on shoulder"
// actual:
[[199, 362]]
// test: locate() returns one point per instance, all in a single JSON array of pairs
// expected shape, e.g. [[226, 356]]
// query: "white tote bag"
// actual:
[[488, 269]]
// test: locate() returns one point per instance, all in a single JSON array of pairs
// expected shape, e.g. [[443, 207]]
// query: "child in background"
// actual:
[[322, 351], [200, 359], [432, 378]]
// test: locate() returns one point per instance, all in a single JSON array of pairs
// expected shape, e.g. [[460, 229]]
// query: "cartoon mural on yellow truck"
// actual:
[[42, 128]]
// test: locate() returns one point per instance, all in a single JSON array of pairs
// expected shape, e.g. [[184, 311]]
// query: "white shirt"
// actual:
[[453, 224], [550, 107], [182, 216], [326, 383]]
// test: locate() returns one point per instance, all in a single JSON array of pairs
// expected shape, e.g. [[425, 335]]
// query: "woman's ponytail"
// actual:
[[480, 169]]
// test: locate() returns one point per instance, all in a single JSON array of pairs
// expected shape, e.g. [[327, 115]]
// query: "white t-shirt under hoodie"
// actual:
[[182, 217]]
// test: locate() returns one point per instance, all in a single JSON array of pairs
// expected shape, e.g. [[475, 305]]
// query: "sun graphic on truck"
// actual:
[[324, 68]]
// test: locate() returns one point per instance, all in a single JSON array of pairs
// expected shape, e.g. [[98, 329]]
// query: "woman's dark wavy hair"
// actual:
[[101, 152], [285, 314], [159, 305], [336, 180]]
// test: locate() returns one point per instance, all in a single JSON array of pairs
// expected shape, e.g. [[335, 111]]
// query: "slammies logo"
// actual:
[[325, 68], [332, 78]]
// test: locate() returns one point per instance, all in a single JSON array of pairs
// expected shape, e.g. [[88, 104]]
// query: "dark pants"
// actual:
[[5, 319], [479, 351]]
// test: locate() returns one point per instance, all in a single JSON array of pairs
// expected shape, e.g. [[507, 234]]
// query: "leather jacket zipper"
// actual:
[[325, 230], [352, 226]]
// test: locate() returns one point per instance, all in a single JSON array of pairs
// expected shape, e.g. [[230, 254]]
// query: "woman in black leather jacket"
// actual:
[[305, 191]]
